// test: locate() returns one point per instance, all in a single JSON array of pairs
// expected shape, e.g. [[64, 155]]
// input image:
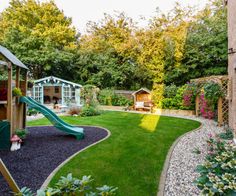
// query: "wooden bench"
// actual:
[[143, 105]]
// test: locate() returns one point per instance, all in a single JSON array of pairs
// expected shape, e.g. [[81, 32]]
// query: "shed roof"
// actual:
[[11, 57], [55, 79], [142, 89]]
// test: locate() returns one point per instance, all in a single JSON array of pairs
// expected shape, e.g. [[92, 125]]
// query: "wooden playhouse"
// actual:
[[13, 74]]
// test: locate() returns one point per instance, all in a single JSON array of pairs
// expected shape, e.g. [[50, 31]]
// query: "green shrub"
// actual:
[[217, 174], [90, 111], [174, 99], [227, 135], [16, 92], [120, 100], [31, 112], [105, 96], [21, 133], [158, 94], [89, 95], [169, 103], [70, 186], [109, 97], [170, 91], [212, 92]]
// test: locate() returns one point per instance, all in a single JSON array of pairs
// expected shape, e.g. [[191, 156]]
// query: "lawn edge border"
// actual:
[[161, 185], [49, 178]]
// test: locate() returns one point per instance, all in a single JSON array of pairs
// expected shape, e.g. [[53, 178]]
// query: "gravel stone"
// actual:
[[183, 162]]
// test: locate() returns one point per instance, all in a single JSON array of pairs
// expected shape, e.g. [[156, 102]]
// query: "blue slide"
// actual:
[[53, 118]]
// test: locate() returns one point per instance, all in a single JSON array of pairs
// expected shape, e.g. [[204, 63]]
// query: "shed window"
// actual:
[[56, 89]]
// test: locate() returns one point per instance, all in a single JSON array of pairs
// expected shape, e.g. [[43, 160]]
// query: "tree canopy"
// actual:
[[174, 48]]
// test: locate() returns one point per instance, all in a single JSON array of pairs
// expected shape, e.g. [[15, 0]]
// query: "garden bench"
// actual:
[[146, 105]]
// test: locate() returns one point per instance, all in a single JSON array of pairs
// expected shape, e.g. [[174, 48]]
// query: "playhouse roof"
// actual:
[[55, 80], [11, 57], [142, 89]]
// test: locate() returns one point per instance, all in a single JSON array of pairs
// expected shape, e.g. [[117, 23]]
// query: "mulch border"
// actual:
[[49, 178]]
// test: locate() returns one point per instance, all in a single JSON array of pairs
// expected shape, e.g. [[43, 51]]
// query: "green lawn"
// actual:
[[132, 158]]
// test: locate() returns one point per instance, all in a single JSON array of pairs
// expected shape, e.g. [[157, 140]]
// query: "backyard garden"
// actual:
[[170, 125]]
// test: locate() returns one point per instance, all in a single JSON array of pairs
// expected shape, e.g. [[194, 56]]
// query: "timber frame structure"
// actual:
[[222, 105], [11, 110]]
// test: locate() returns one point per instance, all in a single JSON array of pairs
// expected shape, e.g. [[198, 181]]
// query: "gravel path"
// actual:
[[45, 148], [181, 170]]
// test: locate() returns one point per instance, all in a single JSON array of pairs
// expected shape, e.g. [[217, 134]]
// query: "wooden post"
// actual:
[[17, 106], [25, 84], [7, 176], [9, 97], [17, 77], [197, 105], [220, 112]]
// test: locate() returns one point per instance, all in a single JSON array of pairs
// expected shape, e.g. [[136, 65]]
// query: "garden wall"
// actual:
[[174, 112]]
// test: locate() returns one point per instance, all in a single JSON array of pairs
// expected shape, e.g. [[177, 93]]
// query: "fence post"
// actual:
[[197, 105], [220, 112]]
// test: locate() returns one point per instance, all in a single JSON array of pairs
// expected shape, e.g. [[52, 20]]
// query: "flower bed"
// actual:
[[218, 173]]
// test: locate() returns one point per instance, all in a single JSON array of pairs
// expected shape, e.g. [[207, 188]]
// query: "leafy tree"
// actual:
[[40, 35], [206, 44], [106, 55]]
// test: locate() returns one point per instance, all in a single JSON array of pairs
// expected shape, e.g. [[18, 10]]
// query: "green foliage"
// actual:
[[120, 100], [16, 92], [206, 44], [114, 53], [227, 135], [105, 96], [70, 186], [41, 36], [217, 174], [212, 92], [106, 56], [89, 110], [89, 95], [170, 91], [175, 98], [157, 94], [31, 112], [21, 133], [109, 97], [25, 192]]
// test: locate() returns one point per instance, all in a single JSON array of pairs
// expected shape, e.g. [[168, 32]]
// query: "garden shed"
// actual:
[[142, 99], [53, 90]]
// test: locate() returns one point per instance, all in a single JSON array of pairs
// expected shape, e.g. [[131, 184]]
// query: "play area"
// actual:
[[45, 149], [14, 103]]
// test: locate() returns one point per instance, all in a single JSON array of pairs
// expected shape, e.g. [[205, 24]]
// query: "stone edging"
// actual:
[[49, 178], [161, 187]]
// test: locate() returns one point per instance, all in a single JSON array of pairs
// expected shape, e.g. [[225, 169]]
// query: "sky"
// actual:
[[83, 11]]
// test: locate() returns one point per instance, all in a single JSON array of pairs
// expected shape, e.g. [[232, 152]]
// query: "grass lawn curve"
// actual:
[[133, 156]]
